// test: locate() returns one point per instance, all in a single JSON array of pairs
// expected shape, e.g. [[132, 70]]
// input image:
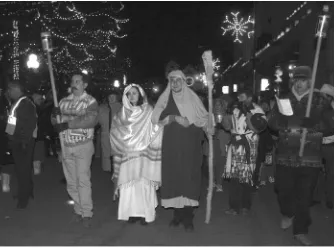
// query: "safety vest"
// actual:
[[11, 122]]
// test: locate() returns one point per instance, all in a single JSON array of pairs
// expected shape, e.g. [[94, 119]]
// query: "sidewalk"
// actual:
[[46, 222]]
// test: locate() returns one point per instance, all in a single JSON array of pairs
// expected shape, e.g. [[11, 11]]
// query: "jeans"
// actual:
[[77, 172]]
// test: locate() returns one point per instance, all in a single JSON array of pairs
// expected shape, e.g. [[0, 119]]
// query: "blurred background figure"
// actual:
[[220, 141], [39, 149], [264, 172], [115, 106], [104, 122], [50, 138]]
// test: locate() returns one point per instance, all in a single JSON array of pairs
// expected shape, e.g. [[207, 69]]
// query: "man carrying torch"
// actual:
[[296, 176], [79, 116], [74, 119]]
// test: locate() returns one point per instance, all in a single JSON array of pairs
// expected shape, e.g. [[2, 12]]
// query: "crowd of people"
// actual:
[[164, 148]]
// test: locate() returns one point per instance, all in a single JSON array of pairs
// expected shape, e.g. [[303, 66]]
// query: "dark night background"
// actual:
[[162, 31]]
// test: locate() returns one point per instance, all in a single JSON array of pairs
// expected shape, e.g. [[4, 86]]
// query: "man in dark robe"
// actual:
[[181, 148]]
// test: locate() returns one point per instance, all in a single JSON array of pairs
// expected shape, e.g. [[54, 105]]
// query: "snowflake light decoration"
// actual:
[[238, 26], [216, 63]]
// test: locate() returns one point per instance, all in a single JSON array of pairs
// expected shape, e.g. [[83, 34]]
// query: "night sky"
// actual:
[[162, 31]]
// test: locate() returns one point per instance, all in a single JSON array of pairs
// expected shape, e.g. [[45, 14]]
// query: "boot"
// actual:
[[303, 239], [177, 219], [188, 219]]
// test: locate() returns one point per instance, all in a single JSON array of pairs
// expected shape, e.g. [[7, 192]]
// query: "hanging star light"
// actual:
[[238, 26]]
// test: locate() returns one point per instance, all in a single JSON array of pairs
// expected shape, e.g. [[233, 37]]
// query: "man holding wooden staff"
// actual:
[[181, 148], [296, 176], [79, 115]]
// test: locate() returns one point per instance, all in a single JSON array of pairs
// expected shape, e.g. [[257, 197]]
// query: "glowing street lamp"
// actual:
[[32, 62], [116, 84], [85, 72]]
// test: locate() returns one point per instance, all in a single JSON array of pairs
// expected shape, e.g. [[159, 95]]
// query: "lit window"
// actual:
[[235, 87], [264, 84], [225, 89]]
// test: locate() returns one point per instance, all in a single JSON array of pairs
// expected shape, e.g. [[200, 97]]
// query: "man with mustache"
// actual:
[[79, 112]]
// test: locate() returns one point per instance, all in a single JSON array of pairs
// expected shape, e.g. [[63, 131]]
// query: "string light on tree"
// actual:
[[16, 55], [82, 41], [239, 27]]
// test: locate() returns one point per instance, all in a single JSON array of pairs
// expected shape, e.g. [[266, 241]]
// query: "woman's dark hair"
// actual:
[[141, 99]]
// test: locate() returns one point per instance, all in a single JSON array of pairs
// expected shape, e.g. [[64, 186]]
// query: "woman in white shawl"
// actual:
[[136, 145]]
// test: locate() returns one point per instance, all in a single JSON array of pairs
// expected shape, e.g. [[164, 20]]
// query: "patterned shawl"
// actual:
[[132, 130], [187, 102]]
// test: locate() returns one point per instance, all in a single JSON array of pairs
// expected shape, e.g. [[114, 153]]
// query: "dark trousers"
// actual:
[[50, 143], [328, 155], [240, 195], [23, 159], [295, 187], [184, 215]]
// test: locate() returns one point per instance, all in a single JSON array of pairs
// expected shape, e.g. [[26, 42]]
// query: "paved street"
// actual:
[[47, 220]]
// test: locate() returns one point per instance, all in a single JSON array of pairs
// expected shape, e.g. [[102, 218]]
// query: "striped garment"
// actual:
[[72, 108], [145, 164]]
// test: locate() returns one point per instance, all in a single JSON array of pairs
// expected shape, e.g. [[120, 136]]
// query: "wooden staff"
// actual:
[[208, 65], [46, 45], [321, 33]]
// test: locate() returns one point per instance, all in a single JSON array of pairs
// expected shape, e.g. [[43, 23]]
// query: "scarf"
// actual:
[[187, 102], [132, 130]]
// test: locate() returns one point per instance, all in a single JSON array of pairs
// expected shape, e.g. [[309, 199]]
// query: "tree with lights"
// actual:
[[87, 37], [84, 35]]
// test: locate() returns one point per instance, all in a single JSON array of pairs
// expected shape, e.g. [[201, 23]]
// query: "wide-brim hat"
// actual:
[[327, 89], [302, 72]]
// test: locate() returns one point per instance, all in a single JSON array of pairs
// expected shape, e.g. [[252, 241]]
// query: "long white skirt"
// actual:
[[138, 199]]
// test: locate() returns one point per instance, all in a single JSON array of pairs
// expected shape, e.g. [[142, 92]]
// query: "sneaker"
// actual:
[[231, 212], [76, 218], [286, 222], [87, 222], [303, 239]]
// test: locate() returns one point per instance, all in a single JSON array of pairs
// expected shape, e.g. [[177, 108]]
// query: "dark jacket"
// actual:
[[290, 131], [25, 124]]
